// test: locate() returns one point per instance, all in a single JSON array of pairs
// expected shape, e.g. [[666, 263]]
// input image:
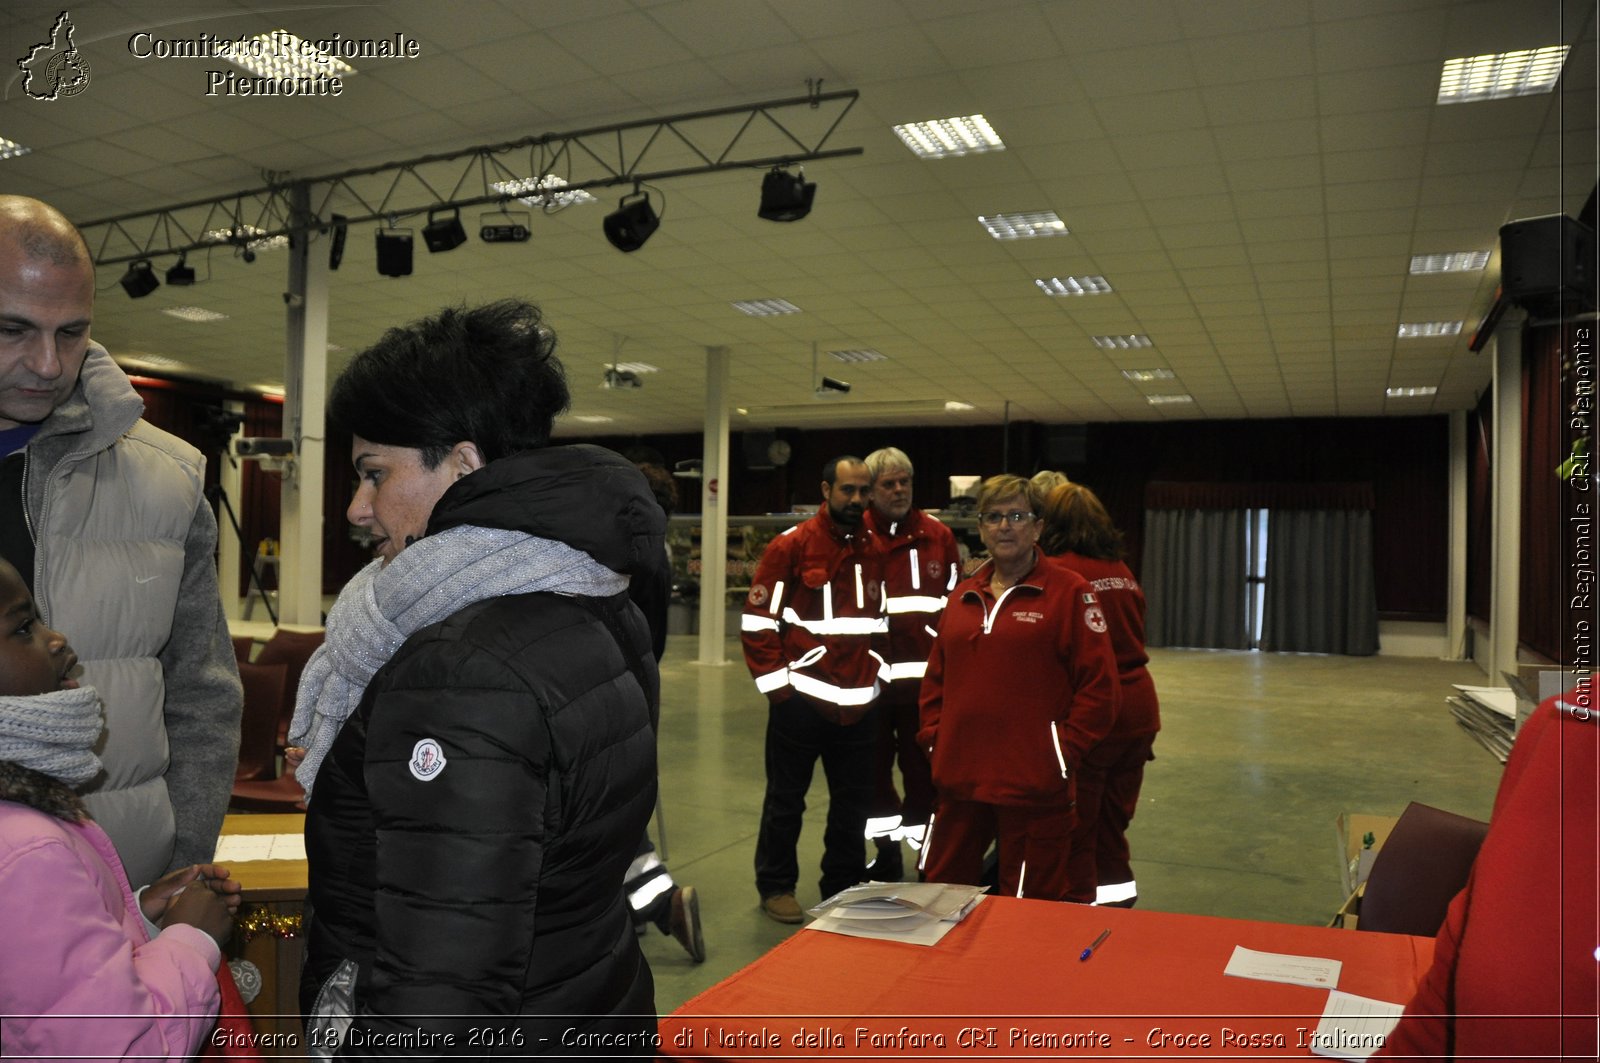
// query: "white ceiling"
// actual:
[[1251, 176]]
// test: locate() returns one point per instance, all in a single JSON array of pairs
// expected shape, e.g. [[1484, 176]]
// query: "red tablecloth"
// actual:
[[1007, 982]]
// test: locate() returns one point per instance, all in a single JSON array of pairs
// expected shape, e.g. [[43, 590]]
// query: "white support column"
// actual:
[[304, 401], [714, 512], [1506, 566], [1456, 600], [229, 550]]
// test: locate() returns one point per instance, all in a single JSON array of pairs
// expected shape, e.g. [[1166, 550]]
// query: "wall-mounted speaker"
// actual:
[[1548, 261]]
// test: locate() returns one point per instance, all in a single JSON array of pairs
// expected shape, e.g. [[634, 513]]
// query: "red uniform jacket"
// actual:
[[921, 563], [814, 615], [1123, 601], [1513, 973], [1018, 689]]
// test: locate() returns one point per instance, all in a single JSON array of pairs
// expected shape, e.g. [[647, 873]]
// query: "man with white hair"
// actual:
[[921, 563]]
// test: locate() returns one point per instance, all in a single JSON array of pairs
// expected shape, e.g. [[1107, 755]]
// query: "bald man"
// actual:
[[106, 518]]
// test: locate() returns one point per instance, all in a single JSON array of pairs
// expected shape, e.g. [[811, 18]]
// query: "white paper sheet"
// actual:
[[245, 848], [1354, 1027], [1313, 971]]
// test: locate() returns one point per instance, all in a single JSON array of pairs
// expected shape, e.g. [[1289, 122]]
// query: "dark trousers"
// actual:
[[897, 738], [797, 736]]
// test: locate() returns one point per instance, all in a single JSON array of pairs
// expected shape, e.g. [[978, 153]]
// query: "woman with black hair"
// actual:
[[479, 726], [1078, 533]]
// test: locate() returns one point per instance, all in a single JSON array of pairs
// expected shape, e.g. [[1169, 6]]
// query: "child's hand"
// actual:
[[200, 906], [158, 896]]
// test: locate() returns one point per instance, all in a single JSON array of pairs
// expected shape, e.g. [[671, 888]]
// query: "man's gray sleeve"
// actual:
[[204, 700]]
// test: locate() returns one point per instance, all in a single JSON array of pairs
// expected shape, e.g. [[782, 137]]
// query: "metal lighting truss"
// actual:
[[559, 165]]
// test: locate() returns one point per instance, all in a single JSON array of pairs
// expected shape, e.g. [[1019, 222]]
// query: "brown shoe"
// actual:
[[686, 923], [782, 907]]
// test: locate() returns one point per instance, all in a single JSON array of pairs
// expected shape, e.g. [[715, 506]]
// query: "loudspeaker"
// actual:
[[1545, 261], [1065, 444], [757, 442]]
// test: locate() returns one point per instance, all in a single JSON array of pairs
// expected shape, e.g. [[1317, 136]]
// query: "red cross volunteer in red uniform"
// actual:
[[921, 563], [1021, 684], [812, 624]]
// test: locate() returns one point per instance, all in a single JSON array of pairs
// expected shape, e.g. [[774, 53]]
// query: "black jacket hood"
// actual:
[[588, 497]]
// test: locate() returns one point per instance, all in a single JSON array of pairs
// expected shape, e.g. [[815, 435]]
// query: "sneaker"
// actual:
[[783, 907], [686, 923]]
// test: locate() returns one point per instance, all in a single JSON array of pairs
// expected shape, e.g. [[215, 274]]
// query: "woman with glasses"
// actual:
[[479, 726], [1079, 534], [1021, 684]]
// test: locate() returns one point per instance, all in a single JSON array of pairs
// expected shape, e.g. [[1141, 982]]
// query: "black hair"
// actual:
[[831, 470], [486, 375]]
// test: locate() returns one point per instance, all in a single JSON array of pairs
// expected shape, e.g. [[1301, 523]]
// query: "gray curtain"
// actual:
[[1194, 578], [1321, 594]]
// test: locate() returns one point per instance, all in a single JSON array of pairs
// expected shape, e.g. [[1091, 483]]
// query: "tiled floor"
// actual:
[[1258, 754]]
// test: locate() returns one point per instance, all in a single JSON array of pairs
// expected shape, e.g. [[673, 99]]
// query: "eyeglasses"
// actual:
[[994, 518]]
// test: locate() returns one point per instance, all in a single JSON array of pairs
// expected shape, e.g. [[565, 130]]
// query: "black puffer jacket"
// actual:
[[495, 887]]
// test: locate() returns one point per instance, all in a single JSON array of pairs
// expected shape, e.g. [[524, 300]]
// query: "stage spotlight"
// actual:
[[631, 224], [444, 234], [786, 196], [182, 274], [140, 280], [341, 229], [394, 252]]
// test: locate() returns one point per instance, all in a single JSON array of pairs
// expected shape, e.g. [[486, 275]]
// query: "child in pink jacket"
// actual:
[[80, 974]]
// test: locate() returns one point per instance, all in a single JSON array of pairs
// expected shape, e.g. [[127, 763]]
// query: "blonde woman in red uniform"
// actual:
[[1020, 685]]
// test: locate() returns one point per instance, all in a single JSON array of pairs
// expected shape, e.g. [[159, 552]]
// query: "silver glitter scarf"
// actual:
[[431, 579], [53, 734]]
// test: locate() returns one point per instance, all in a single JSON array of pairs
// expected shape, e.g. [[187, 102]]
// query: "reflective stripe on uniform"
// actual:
[[813, 687], [757, 623], [916, 571], [914, 603], [1116, 892], [838, 625], [882, 826], [1055, 737], [777, 680], [908, 670]]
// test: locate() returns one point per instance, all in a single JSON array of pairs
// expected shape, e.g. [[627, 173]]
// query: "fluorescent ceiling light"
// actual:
[[1410, 393], [1144, 376], [544, 192], [194, 313], [1073, 286], [864, 354], [1168, 400], [1024, 226], [592, 418], [956, 407], [283, 55], [1411, 330], [10, 149], [1122, 343], [766, 307], [635, 367], [247, 234], [1527, 72], [940, 138], [1450, 262]]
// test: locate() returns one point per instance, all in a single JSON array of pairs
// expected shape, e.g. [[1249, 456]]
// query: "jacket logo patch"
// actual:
[[1088, 599], [1026, 616], [1095, 619], [935, 567], [758, 595], [427, 760]]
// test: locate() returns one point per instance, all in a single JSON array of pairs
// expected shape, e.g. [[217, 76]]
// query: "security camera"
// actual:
[[832, 389], [262, 447], [290, 299]]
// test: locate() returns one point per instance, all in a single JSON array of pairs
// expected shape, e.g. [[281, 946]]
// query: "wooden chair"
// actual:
[[292, 649], [1423, 864], [258, 729]]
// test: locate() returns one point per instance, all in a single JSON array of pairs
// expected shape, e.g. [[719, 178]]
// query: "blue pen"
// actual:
[[1086, 953]]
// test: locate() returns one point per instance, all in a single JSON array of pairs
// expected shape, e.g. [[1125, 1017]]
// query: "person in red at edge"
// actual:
[[921, 563], [1021, 684], [1513, 973], [1079, 534]]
